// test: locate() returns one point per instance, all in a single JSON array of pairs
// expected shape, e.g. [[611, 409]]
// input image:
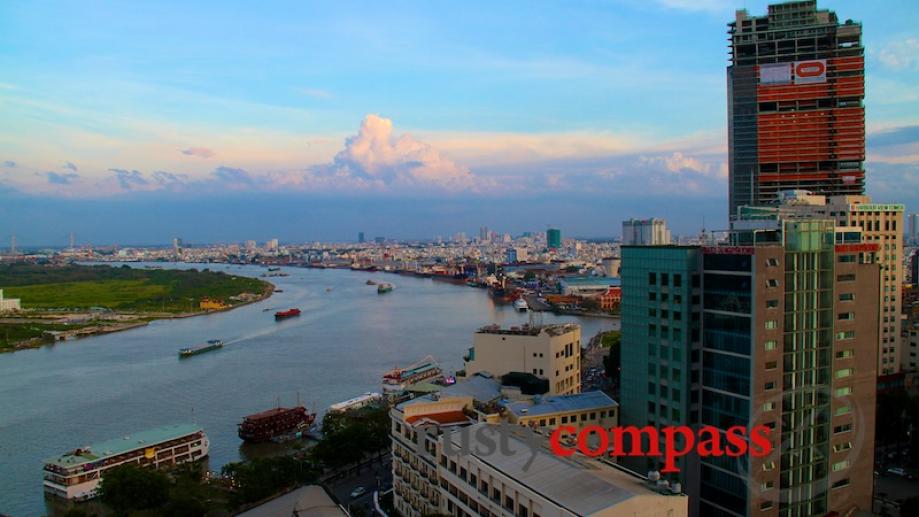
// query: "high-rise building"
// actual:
[[914, 228], [645, 232], [554, 238], [661, 331], [360, 237], [551, 352], [789, 317], [881, 224], [483, 234], [272, 245], [795, 114], [516, 254]]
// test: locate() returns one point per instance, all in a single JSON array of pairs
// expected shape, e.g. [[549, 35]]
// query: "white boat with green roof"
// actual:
[[77, 474]]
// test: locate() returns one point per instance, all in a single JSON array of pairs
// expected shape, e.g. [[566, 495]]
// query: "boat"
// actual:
[[521, 304], [276, 424], [371, 282], [77, 475], [384, 288], [212, 344], [274, 268], [398, 379], [289, 313], [367, 399]]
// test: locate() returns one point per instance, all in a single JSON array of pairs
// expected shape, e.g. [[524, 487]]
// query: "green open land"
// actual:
[[121, 288], [49, 292]]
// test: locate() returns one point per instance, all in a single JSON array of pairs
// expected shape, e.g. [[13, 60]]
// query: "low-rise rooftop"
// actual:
[[117, 446], [586, 401]]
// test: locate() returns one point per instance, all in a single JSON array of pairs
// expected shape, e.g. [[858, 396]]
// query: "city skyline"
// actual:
[[420, 122]]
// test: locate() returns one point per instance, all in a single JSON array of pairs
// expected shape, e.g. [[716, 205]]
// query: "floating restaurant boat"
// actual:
[[212, 344], [384, 288], [77, 474], [398, 379], [276, 424], [289, 313]]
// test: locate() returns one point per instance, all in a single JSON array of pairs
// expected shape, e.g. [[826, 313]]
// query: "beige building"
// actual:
[[9, 304], [522, 478], [551, 352], [881, 224]]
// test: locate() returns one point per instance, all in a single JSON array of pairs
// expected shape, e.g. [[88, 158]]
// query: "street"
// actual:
[[376, 476]]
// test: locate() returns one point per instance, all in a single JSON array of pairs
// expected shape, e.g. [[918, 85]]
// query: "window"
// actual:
[[841, 483], [770, 324], [772, 282], [769, 386], [840, 465], [844, 428], [769, 465], [846, 316], [771, 365], [772, 262], [768, 485], [652, 296], [845, 278], [845, 354], [846, 297], [652, 278], [845, 372], [677, 280], [847, 258], [843, 446], [770, 345], [766, 506], [772, 304], [843, 410], [665, 279], [768, 406], [842, 392], [846, 334]]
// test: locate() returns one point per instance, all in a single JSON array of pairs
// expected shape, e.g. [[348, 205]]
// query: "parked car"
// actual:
[[358, 491]]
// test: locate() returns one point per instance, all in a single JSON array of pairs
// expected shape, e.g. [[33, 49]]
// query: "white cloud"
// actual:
[[900, 54], [376, 155], [200, 152]]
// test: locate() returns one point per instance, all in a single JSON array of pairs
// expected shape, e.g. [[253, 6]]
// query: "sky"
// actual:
[[135, 122]]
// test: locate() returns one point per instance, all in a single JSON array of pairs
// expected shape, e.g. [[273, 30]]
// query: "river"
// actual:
[[59, 397]]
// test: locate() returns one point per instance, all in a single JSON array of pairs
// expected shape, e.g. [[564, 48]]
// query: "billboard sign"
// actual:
[[810, 72]]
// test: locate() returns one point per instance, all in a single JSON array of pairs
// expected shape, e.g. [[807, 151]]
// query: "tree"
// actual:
[[128, 488], [613, 360]]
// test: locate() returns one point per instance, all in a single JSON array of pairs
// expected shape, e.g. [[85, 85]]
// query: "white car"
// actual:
[[357, 492]]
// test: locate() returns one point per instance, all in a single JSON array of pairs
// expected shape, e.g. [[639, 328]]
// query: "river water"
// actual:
[[56, 398]]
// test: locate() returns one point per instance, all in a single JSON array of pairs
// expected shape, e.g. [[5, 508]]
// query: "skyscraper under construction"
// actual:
[[796, 118]]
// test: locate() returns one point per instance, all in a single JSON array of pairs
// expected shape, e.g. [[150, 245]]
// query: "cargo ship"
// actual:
[[398, 379], [276, 425], [289, 313], [384, 288], [76, 475], [212, 344]]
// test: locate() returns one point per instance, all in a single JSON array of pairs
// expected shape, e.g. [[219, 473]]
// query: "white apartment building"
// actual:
[[551, 352], [645, 232]]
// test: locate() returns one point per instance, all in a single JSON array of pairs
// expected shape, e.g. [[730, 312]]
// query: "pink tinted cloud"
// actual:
[[200, 152]]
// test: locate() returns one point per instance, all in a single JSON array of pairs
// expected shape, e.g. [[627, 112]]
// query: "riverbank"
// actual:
[[104, 299]]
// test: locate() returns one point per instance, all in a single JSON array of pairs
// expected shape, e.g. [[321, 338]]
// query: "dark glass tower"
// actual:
[[796, 119]]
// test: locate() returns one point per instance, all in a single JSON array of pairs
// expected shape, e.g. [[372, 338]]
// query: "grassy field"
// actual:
[[120, 288]]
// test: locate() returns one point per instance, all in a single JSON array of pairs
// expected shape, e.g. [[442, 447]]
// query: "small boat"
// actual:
[[521, 305], [279, 290], [384, 288], [274, 268], [212, 344], [371, 282], [290, 313]]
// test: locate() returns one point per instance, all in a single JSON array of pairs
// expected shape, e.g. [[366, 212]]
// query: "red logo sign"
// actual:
[[808, 72]]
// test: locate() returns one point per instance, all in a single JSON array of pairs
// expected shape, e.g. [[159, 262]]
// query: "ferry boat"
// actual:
[[384, 288], [398, 379], [521, 304], [289, 313], [212, 344], [276, 424], [364, 400], [76, 475]]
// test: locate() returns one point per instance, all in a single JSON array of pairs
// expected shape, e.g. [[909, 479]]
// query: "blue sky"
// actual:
[[513, 115]]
